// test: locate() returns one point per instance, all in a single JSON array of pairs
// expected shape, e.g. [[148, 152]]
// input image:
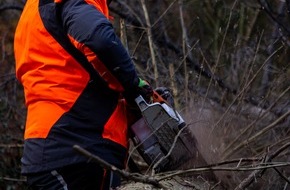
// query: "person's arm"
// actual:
[[85, 24]]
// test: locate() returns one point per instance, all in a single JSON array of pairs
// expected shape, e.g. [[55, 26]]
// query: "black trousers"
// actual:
[[83, 176]]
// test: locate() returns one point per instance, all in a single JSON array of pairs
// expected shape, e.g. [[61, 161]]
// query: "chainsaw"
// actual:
[[161, 135]]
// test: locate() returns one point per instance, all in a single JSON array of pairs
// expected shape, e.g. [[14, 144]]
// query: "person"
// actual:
[[77, 79]]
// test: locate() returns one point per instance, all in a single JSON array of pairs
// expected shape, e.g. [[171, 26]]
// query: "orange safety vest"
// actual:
[[64, 106]]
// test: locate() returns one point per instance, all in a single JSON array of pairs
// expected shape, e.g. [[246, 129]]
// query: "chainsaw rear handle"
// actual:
[[141, 103]]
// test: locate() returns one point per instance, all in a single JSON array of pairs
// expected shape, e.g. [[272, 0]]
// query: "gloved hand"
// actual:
[[145, 90], [142, 88]]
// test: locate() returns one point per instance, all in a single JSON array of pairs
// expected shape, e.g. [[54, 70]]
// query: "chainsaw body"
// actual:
[[160, 136]]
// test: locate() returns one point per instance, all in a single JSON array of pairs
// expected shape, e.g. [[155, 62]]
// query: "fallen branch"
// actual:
[[163, 176], [248, 168], [239, 161], [256, 174]]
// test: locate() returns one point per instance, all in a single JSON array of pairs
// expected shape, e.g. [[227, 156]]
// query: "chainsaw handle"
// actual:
[[158, 98], [141, 103]]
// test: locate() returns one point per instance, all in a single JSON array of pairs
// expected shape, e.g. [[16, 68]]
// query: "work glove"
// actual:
[[145, 90], [142, 88]]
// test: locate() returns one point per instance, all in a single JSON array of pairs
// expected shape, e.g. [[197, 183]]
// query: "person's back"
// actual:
[[66, 104]]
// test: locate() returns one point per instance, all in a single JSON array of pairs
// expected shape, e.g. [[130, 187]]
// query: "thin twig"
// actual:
[[281, 175], [164, 13], [275, 19], [258, 173], [149, 136], [219, 55], [12, 179], [171, 148], [249, 168], [252, 123], [245, 88], [185, 47], [150, 41], [239, 161], [261, 132], [133, 176]]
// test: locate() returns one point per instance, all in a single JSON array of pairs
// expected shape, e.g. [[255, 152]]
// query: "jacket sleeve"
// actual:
[[90, 27]]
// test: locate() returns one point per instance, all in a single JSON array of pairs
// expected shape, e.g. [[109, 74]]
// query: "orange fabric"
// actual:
[[39, 67], [101, 5], [46, 116], [112, 82], [116, 128]]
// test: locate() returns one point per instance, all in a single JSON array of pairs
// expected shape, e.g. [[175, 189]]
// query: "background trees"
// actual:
[[12, 110], [226, 62]]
